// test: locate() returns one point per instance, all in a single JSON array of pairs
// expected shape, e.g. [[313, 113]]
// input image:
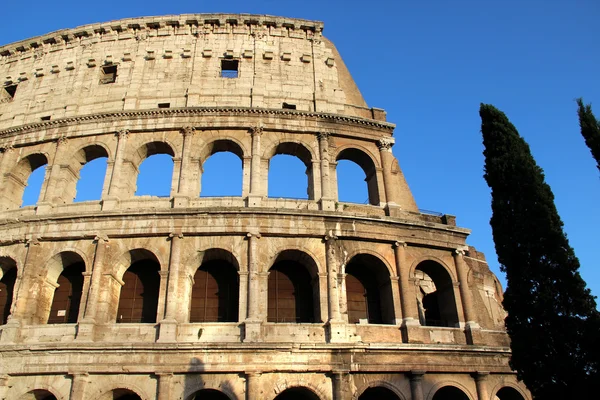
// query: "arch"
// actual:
[[368, 290], [121, 394], [151, 148], [138, 298], [16, 181], [387, 386], [73, 181], [509, 393], [221, 144], [8, 278], [368, 164], [293, 288], [60, 299], [209, 394], [378, 393], [133, 171], [435, 295], [449, 392], [297, 393], [215, 290], [38, 394], [299, 150], [226, 177]]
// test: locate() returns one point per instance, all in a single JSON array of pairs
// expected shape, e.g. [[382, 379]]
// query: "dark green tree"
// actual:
[[590, 129], [552, 319]]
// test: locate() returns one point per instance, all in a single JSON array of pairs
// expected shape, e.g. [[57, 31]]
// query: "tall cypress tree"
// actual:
[[590, 129], [552, 319]]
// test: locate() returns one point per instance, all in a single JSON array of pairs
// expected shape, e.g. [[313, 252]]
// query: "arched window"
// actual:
[[33, 188], [209, 394], [155, 163], [366, 164], [38, 395], [67, 296], [369, 291], [215, 293], [14, 184], [91, 163], [435, 295], [8, 277], [293, 289], [297, 393], [138, 301], [378, 393], [124, 394], [222, 171], [290, 172], [351, 183], [508, 393], [450, 393]]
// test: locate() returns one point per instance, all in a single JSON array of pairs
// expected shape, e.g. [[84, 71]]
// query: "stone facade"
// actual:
[[382, 302]]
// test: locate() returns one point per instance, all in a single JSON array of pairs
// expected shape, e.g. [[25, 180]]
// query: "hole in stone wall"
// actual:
[[109, 74], [11, 90], [164, 105], [229, 68], [45, 118], [289, 106]]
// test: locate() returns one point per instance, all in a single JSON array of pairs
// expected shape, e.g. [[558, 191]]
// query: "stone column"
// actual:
[[327, 199], [387, 158], [168, 326], [183, 192], [481, 379], [255, 196], [114, 186], [337, 331], [253, 391], [416, 385], [51, 180], [396, 299], [85, 290], [341, 386], [253, 321], [408, 303], [85, 330], [472, 328], [164, 385], [6, 198], [79, 382], [4, 386]]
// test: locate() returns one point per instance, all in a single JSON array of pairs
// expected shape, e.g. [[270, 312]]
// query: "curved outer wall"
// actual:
[[72, 96]]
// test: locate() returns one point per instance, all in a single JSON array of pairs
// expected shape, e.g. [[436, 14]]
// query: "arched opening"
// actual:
[[367, 165], [67, 296], [450, 393], [215, 293], [435, 295], [293, 289], [23, 185], [508, 393], [209, 394], [351, 183], [155, 166], [297, 393], [138, 301], [290, 172], [378, 393], [38, 395], [369, 291], [8, 277], [124, 394], [90, 163], [222, 170]]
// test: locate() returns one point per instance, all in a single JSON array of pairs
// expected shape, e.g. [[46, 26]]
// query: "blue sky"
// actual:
[[430, 64]]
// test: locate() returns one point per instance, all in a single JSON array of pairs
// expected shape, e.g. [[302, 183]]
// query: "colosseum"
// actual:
[[247, 297]]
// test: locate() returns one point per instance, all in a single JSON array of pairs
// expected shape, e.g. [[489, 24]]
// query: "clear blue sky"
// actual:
[[430, 64]]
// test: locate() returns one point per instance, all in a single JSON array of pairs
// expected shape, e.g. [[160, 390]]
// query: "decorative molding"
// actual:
[[187, 130], [386, 143], [122, 134]]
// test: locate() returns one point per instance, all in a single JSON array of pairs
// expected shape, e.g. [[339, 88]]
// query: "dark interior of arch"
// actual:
[[125, 394], [153, 148], [7, 286], [210, 394], [222, 145], [215, 293], [296, 150], [366, 163], [42, 395], [378, 393], [369, 291], [297, 393], [93, 152], [439, 307], [138, 301], [450, 393], [67, 296], [290, 293], [508, 393]]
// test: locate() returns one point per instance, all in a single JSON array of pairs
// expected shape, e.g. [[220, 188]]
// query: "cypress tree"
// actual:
[[590, 129], [552, 319]]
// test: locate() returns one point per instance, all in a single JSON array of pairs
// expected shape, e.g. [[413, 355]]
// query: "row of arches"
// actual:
[[293, 290], [297, 393], [289, 167]]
